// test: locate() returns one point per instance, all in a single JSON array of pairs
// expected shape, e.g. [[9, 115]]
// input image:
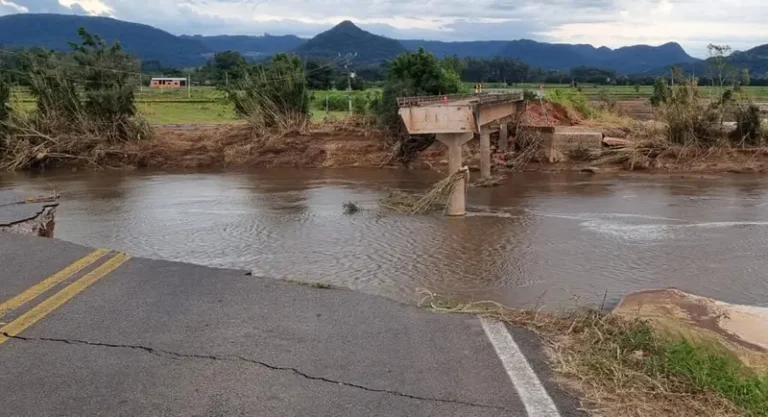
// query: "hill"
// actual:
[[53, 31], [474, 49], [755, 60], [629, 59], [250, 46], [347, 38]]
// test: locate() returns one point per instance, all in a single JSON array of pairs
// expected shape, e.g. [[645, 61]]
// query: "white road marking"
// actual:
[[534, 396]]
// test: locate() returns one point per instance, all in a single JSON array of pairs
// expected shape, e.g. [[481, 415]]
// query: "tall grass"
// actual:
[[571, 100], [695, 120], [624, 367]]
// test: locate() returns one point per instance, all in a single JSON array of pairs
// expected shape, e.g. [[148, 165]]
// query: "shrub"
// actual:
[[5, 98], [748, 125], [273, 96], [68, 124]]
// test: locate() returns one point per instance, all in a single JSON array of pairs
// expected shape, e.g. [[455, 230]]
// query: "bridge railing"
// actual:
[[483, 97]]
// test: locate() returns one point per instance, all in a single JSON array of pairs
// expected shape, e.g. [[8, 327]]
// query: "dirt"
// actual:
[[548, 114], [352, 144], [236, 145], [743, 329]]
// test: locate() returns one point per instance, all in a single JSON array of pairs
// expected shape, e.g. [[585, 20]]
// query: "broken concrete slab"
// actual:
[[561, 143], [22, 214]]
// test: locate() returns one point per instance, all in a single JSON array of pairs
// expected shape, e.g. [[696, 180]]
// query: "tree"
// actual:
[[721, 73], [414, 74], [319, 75], [273, 94], [110, 75], [744, 79], [228, 60], [661, 92]]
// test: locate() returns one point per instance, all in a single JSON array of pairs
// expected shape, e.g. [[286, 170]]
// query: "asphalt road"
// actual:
[[113, 336]]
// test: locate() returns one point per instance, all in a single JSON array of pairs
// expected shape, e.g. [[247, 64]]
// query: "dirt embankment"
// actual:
[[350, 144], [235, 145]]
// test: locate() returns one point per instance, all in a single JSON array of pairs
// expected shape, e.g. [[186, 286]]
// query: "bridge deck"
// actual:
[[488, 97]]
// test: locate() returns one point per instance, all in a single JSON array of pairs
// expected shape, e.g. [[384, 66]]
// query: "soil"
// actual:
[[547, 114], [352, 144], [743, 329]]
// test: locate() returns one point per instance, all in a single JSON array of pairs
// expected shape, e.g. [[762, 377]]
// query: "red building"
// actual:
[[168, 82]]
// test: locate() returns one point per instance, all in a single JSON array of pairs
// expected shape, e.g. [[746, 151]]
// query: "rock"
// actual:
[[590, 170]]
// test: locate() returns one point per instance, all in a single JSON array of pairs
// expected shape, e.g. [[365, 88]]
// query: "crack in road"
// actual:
[[236, 358]]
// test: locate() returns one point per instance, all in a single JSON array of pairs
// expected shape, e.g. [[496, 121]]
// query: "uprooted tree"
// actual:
[[84, 103], [413, 74], [273, 96]]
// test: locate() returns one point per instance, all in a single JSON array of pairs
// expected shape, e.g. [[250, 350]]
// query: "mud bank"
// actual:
[[353, 145], [743, 329]]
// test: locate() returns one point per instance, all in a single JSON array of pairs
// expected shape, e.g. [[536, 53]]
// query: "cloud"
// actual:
[[8, 7], [693, 23]]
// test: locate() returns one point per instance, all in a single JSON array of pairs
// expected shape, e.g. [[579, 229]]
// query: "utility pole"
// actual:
[[189, 86], [350, 76]]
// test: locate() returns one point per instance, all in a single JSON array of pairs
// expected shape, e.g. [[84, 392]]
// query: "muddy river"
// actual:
[[548, 240]]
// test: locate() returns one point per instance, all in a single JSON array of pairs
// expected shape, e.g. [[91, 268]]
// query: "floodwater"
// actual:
[[540, 240]]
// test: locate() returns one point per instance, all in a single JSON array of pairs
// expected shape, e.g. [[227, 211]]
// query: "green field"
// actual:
[[208, 105], [628, 92], [203, 105]]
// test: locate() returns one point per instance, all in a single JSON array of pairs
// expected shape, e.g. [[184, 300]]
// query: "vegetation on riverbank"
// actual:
[[78, 110], [627, 367]]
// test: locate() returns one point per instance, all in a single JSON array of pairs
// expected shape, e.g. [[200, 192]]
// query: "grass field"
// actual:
[[628, 92], [208, 105], [202, 105]]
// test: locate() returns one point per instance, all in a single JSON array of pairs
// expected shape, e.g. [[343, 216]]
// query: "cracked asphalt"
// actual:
[[158, 338]]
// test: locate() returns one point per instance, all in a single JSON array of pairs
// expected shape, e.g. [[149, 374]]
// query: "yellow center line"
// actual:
[[60, 298], [50, 282]]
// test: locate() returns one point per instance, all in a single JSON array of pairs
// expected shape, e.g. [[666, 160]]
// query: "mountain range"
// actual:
[[53, 31]]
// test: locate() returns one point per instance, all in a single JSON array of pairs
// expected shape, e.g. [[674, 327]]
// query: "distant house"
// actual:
[[162, 82]]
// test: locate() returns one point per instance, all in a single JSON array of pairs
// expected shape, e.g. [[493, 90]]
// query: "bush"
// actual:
[[78, 110], [273, 96], [748, 125], [366, 103], [5, 98]]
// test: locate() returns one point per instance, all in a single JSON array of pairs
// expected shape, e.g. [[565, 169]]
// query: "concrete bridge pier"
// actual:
[[457, 204], [485, 153], [504, 136]]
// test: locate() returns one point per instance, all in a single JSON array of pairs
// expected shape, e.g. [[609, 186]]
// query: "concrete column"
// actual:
[[457, 203], [504, 137], [485, 153]]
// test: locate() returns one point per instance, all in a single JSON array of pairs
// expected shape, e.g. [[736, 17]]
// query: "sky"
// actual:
[[612, 23]]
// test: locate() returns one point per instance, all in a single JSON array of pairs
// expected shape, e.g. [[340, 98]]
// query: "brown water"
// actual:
[[546, 239]]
